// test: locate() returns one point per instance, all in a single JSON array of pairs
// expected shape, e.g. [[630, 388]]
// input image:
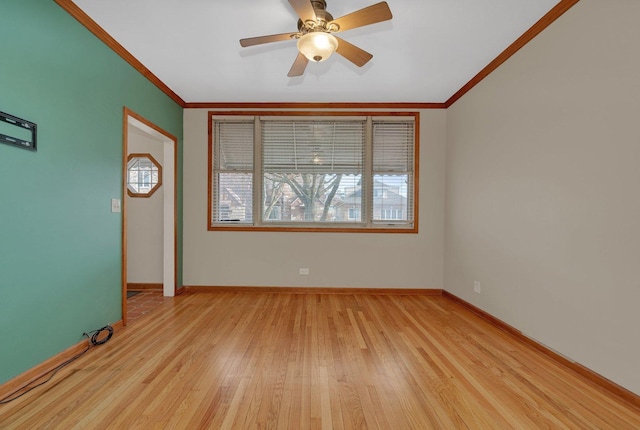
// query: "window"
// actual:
[[144, 175], [313, 171]]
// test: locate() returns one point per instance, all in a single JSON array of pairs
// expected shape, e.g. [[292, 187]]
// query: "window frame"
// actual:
[[154, 187], [367, 226]]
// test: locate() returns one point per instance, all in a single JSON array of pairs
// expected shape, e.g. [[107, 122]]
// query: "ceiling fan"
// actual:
[[316, 26]]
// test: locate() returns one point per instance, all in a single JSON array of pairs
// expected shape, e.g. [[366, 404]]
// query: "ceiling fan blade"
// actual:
[[299, 65], [357, 56], [251, 41], [304, 9], [369, 15]]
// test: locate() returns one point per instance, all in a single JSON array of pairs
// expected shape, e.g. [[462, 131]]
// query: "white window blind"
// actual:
[[310, 169], [393, 166], [313, 146], [233, 171]]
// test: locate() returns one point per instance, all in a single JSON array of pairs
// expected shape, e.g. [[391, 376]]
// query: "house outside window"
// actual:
[[313, 171], [354, 213]]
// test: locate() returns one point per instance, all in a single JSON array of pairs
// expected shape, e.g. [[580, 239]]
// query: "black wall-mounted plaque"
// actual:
[[18, 132]]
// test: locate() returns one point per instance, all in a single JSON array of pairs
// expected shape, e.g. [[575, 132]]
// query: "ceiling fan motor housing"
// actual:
[[322, 18]]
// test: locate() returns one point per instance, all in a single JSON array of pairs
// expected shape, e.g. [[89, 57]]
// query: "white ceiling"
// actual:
[[426, 53]]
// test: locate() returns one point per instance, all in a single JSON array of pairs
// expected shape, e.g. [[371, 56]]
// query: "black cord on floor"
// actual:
[[95, 337]]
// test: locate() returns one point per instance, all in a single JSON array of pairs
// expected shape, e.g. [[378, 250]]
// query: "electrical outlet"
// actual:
[[477, 287], [303, 271]]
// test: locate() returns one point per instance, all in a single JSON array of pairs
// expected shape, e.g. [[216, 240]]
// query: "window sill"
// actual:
[[288, 229]]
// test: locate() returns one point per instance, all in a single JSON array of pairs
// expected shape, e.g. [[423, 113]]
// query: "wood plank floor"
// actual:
[[143, 302], [294, 361]]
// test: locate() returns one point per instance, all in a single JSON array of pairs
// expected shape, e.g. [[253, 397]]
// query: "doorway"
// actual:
[[165, 146]]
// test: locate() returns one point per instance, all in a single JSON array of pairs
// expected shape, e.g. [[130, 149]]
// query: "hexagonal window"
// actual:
[[144, 175]]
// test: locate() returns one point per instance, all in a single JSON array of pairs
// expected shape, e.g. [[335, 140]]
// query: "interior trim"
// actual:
[[156, 186], [289, 228], [84, 19], [42, 369], [312, 290], [305, 105], [126, 113], [527, 36], [137, 286], [587, 373], [520, 42]]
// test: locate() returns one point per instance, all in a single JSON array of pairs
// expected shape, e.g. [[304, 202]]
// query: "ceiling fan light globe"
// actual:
[[317, 46]]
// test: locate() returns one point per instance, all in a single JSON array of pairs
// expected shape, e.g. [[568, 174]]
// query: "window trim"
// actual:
[[372, 227], [155, 187]]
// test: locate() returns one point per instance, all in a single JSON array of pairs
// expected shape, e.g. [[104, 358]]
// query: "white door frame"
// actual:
[[169, 188]]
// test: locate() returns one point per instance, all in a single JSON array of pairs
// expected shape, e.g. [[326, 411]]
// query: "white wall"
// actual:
[[543, 190], [145, 219], [334, 259]]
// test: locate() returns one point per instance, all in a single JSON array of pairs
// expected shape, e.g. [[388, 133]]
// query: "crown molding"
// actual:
[[304, 105], [84, 19], [555, 13]]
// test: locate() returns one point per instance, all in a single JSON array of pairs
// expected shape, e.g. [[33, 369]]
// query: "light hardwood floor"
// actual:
[[276, 361]]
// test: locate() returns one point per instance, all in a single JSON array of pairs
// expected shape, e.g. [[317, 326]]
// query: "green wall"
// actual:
[[60, 245]]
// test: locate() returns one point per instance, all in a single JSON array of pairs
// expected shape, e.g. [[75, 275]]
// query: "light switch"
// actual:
[[115, 205]]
